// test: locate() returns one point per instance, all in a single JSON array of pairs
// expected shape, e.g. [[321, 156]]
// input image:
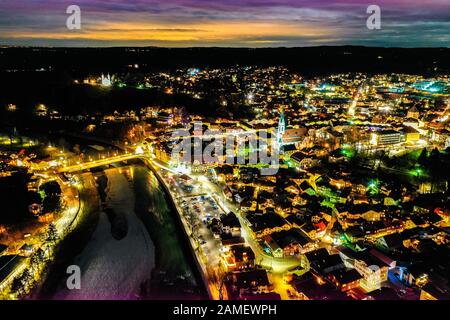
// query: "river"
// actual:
[[135, 249]]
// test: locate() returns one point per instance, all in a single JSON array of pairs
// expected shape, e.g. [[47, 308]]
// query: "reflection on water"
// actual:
[[119, 256], [136, 250], [173, 276]]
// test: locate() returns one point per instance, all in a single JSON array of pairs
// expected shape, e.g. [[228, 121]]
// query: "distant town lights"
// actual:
[[11, 107]]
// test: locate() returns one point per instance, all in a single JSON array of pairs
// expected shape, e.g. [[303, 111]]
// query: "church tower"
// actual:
[[281, 129]]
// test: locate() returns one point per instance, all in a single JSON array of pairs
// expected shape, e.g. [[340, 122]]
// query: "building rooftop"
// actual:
[[8, 264], [251, 279], [291, 236], [315, 291], [269, 220], [241, 253], [346, 276]]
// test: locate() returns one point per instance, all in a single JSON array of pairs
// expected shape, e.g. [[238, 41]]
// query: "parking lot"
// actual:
[[199, 209]]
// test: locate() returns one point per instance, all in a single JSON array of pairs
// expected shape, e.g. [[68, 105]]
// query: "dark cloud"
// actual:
[[404, 22]]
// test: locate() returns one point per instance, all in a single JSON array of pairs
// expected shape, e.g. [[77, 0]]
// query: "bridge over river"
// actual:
[[98, 163]]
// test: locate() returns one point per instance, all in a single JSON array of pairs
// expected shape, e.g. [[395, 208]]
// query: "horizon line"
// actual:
[[220, 47]]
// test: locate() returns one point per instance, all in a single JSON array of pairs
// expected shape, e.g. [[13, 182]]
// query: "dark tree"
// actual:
[[52, 233], [423, 157], [14, 198], [52, 198], [435, 167]]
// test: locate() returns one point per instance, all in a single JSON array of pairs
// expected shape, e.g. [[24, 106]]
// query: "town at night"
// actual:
[[215, 152]]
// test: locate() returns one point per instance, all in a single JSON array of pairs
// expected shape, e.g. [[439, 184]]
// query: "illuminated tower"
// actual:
[[352, 109], [106, 81], [281, 129]]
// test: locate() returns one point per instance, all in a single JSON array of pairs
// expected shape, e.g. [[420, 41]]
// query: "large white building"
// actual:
[[106, 81]]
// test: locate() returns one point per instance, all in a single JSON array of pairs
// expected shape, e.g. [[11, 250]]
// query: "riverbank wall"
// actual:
[[199, 265]]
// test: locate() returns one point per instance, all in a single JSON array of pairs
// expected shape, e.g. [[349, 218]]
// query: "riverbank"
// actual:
[[175, 275], [199, 264], [82, 229]]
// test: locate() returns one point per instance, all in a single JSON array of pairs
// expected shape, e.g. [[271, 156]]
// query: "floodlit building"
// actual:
[[386, 137], [373, 270], [106, 81], [238, 257], [293, 135], [413, 113], [411, 134]]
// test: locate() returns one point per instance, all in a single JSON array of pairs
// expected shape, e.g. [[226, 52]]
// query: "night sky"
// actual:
[[231, 23]]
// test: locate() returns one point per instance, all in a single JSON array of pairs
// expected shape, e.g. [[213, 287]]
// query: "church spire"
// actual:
[[281, 129]]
